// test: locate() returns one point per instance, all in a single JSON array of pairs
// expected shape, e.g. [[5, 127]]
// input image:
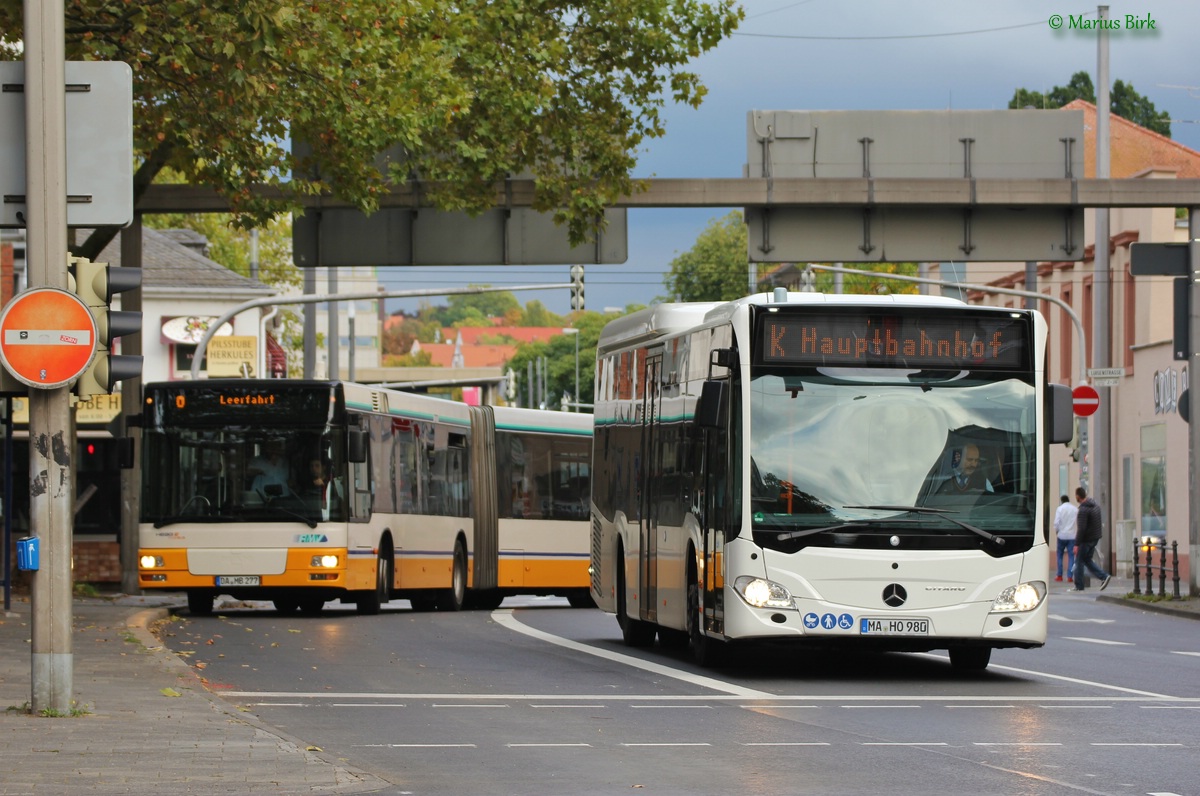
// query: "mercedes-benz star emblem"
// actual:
[[894, 595]]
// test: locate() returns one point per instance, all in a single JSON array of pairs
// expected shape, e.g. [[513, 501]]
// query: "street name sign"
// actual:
[[47, 337]]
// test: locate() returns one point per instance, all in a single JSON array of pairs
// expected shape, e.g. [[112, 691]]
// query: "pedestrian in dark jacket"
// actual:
[[1089, 529]]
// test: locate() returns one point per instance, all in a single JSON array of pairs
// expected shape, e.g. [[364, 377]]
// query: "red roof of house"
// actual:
[[474, 356], [1133, 148]]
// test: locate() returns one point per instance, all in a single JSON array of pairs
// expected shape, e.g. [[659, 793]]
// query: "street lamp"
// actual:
[[575, 332]]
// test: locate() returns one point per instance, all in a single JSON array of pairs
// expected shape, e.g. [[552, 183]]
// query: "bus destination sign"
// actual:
[[940, 342]]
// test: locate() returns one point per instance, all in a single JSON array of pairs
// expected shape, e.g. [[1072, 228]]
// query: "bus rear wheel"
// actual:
[[970, 659], [455, 598]]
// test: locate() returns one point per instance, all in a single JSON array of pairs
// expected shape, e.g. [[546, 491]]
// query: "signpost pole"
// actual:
[[1193, 396], [51, 427]]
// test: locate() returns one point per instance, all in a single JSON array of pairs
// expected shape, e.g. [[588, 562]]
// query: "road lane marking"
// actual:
[[544, 745], [1062, 618], [415, 745], [788, 743], [1017, 743], [1087, 640], [666, 744], [1136, 744], [949, 699], [904, 743], [504, 617], [1184, 652]]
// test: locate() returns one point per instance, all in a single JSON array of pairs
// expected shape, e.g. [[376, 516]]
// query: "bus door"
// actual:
[[715, 471], [650, 483]]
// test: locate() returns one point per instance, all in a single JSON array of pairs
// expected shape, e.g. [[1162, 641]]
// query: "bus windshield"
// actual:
[[222, 475], [892, 457]]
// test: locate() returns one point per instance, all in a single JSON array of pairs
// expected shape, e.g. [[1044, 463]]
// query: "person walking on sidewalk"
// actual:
[[1088, 532], [1064, 528]]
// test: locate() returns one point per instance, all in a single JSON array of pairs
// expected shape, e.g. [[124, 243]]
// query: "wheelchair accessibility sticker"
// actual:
[[828, 621]]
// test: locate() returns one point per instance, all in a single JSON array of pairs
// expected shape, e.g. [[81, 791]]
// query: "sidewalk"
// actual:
[[1120, 587], [150, 725]]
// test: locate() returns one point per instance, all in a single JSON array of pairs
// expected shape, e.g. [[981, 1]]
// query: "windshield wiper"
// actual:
[[783, 537], [164, 521], [944, 514], [309, 520]]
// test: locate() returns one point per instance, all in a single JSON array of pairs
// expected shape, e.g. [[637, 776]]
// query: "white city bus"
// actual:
[[380, 494], [785, 467]]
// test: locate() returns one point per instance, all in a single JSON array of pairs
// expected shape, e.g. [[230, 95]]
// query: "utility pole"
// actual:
[[1100, 462], [51, 425]]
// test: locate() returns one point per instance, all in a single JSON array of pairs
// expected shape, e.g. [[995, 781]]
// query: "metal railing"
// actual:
[[1148, 549]]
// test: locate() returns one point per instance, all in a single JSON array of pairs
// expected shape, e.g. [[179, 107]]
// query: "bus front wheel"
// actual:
[[369, 603], [970, 659], [634, 632], [200, 603]]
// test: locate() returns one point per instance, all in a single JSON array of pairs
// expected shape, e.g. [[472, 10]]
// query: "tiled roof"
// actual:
[[1133, 148], [168, 265]]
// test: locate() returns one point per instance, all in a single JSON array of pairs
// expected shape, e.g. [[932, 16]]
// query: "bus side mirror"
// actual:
[[358, 445], [711, 406], [1060, 414]]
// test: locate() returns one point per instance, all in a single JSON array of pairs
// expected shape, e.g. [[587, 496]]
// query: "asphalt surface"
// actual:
[[144, 722]]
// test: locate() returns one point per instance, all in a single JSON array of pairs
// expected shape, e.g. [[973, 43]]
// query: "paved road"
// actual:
[[544, 699]]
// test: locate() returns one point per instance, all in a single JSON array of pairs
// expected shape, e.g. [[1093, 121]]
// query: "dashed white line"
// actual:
[[789, 743], [904, 743], [1108, 642], [666, 744], [545, 745], [1137, 744], [1017, 743]]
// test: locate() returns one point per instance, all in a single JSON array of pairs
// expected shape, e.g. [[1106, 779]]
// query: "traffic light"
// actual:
[[576, 287], [96, 284]]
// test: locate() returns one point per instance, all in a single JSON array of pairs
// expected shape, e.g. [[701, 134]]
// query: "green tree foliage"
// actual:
[[716, 268], [877, 283], [1124, 101], [560, 361], [468, 92]]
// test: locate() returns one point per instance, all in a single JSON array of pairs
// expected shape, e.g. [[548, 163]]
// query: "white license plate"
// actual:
[[238, 580], [893, 627]]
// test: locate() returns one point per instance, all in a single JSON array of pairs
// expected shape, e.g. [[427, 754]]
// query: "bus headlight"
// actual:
[[1022, 597], [763, 593], [324, 561], [151, 562]]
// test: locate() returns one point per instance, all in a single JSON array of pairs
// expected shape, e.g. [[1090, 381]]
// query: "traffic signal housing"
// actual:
[[576, 287], [96, 284]]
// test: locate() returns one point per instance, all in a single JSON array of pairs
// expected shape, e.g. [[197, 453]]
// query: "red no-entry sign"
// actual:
[[1085, 400], [47, 337]]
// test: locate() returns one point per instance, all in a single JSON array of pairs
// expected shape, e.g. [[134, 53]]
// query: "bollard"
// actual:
[[1175, 569], [1137, 581]]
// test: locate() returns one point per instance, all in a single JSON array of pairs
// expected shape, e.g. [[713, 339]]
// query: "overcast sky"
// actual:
[[862, 55]]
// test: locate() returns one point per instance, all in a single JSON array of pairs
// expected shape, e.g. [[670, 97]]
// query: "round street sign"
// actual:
[[1085, 400], [47, 337]]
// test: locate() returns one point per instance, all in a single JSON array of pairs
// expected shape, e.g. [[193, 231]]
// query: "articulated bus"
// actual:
[[833, 470], [300, 492]]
